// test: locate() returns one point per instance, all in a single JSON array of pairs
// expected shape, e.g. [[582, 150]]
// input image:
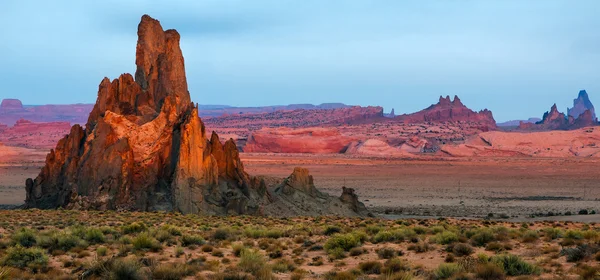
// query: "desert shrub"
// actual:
[[124, 269], [579, 253], [187, 240], [330, 230], [394, 235], [552, 233], [530, 236], [574, 234], [59, 241], [24, 237], [336, 254], [489, 271], [134, 227], [283, 266], [252, 261], [342, 275], [179, 251], [343, 241], [144, 241], [386, 253], [446, 270], [583, 212], [221, 234], [94, 236], [22, 257], [445, 237], [420, 247], [371, 267], [395, 265], [495, 247], [173, 271], [357, 251], [482, 237], [514, 265], [462, 249], [217, 253], [101, 251]]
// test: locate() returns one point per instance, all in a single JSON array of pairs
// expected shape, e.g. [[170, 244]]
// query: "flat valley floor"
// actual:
[[502, 187]]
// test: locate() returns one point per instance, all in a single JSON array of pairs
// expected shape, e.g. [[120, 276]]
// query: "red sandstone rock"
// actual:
[[581, 104], [8, 105], [555, 120], [303, 140], [450, 111], [145, 148]]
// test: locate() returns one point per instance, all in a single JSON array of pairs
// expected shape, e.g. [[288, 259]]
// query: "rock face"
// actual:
[[447, 110], [555, 120], [145, 148], [581, 104], [297, 195], [28, 134], [303, 140], [375, 147]]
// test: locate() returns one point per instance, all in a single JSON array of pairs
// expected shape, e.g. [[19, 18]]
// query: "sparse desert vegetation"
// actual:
[[61, 244]]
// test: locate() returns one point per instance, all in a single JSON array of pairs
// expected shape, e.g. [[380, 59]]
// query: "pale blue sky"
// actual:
[[516, 58]]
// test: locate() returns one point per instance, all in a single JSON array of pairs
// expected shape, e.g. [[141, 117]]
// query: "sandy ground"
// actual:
[[515, 187]]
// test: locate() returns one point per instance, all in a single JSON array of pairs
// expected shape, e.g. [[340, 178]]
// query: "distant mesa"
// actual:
[[9, 105], [515, 123], [145, 148], [447, 110]]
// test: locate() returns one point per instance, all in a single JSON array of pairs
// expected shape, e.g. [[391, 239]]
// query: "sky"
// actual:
[[514, 57]]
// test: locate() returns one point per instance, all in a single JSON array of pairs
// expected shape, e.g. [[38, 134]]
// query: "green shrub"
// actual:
[[395, 265], [462, 249], [445, 237], [101, 251], [122, 269], [145, 242], [134, 227], [482, 237], [394, 235], [386, 253], [24, 237], [343, 241], [94, 236], [371, 267], [252, 261], [221, 234], [489, 271], [59, 241], [336, 253], [446, 270], [187, 240], [530, 236], [515, 266], [552, 233], [173, 271], [22, 257], [574, 234], [330, 230]]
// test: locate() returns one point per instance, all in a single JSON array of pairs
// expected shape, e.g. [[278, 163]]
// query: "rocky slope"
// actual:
[[447, 110], [581, 104], [145, 148], [34, 135]]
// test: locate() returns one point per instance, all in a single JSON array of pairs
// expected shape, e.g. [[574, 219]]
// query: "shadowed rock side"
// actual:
[[144, 147], [581, 104], [297, 195]]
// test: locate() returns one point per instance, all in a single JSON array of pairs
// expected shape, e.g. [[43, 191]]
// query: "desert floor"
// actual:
[[504, 187]]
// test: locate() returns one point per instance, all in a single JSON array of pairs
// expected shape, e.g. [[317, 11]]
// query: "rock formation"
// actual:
[[11, 105], [145, 148], [555, 120], [297, 195], [581, 104], [447, 110], [302, 140]]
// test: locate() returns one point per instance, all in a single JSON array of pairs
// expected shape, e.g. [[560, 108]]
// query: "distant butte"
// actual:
[[447, 110]]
